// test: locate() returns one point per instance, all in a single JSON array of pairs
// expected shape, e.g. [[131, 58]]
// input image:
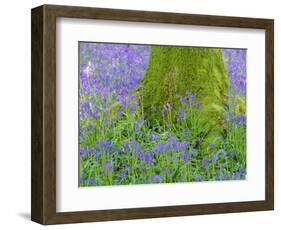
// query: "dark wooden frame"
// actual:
[[43, 160]]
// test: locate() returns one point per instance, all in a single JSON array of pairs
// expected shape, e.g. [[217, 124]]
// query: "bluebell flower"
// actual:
[[197, 178], [193, 152], [90, 126], [205, 162], [154, 178], [214, 157], [184, 156], [212, 145], [242, 170], [198, 106], [92, 181], [239, 120], [108, 165], [83, 152], [105, 144], [166, 171], [148, 158], [222, 152], [236, 176], [180, 114], [126, 146]]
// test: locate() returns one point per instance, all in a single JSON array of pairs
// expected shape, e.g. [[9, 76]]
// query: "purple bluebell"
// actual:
[[214, 157], [242, 170], [236, 176], [180, 114], [105, 144], [92, 181], [239, 120], [205, 162], [148, 158], [83, 152], [222, 152], [108, 165], [154, 178], [184, 156], [235, 60]]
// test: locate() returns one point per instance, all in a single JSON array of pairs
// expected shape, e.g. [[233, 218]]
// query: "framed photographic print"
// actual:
[[139, 114]]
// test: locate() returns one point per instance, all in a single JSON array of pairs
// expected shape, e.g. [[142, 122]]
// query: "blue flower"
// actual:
[[180, 114], [154, 178], [214, 157], [105, 144], [148, 158], [166, 171], [92, 181], [212, 145], [239, 120], [90, 126], [242, 170], [205, 162], [236, 176], [222, 152], [197, 178], [83, 152], [126, 146], [184, 156], [218, 177], [108, 165]]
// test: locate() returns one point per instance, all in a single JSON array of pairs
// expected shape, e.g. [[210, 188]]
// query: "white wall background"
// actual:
[[15, 113]]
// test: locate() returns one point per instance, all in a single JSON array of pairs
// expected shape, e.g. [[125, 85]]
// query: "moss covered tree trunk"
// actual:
[[174, 70]]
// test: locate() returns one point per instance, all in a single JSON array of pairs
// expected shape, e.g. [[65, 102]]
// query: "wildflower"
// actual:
[[222, 152], [166, 171], [126, 146], [153, 137], [105, 144], [191, 97], [198, 106], [154, 178], [184, 156], [182, 99], [197, 178], [180, 114], [90, 126], [218, 178], [83, 152], [137, 150], [214, 157], [148, 158], [236, 176], [239, 120], [92, 181], [242, 170], [212, 145], [108, 165], [205, 162]]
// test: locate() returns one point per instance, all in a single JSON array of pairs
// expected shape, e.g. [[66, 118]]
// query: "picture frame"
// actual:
[[44, 122]]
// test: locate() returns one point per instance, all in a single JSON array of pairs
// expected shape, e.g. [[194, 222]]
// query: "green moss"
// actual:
[[174, 70]]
